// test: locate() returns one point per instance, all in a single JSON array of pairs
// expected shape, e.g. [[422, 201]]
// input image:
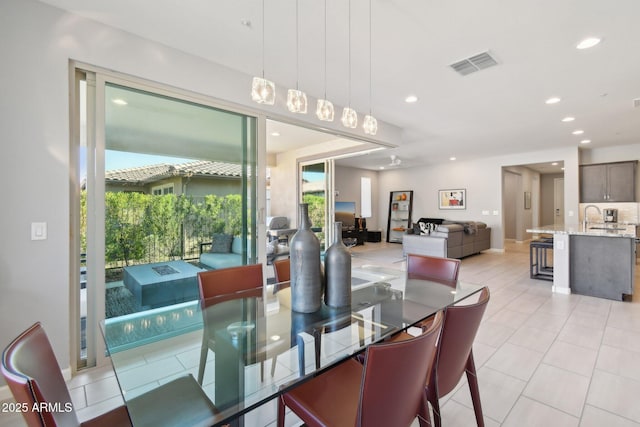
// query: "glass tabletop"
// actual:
[[249, 334]]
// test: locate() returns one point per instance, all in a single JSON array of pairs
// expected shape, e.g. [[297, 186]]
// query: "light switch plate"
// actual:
[[38, 231]]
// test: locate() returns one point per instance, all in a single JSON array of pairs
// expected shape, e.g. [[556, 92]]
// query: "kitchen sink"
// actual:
[[608, 228]]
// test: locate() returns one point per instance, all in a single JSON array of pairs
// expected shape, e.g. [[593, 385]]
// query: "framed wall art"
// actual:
[[452, 199]]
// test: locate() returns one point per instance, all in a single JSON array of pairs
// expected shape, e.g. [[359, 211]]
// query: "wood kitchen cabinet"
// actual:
[[608, 182]]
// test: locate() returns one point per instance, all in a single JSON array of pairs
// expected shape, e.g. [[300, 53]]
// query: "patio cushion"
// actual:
[[221, 243]]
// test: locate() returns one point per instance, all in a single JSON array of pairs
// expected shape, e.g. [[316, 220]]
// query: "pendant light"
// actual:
[[296, 99], [324, 108], [349, 116], [370, 124], [263, 91]]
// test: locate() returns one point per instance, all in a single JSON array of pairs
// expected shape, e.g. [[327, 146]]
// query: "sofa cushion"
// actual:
[[218, 260], [221, 243]]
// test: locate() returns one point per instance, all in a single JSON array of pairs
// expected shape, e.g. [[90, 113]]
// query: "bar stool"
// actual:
[[539, 268]]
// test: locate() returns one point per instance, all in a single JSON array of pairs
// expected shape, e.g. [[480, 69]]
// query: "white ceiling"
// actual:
[[496, 111]]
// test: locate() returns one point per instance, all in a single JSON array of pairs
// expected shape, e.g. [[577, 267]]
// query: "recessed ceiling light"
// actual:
[[568, 119], [562, 169], [411, 99], [552, 100], [588, 42], [381, 167], [452, 158], [554, 164], [275, 133], [585, 141], [578, 132], [119, 101]]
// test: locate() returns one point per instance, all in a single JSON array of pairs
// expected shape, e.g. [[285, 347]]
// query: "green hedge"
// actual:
[[147, 228]]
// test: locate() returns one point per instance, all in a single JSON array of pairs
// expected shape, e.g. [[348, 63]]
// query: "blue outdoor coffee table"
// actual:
[[162, 283]]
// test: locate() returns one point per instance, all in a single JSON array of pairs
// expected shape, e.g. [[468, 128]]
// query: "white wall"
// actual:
[[483, 182], [37, 42]]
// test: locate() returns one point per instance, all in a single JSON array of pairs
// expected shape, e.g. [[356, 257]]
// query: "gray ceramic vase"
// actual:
[[306, 276], [337, 269]]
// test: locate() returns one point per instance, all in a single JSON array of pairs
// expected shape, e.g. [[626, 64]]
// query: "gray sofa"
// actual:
[[449, 239]]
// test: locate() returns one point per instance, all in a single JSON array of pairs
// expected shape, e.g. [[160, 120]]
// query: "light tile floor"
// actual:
[[543, 359]]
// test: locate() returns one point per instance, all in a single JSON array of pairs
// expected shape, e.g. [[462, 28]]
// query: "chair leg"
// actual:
[[204, 352], [475, 391], [435, 405], [424, 418], [280, 419], [273, 365]]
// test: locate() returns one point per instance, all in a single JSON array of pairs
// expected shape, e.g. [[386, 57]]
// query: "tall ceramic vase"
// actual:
[[306, 276], [337, 269]]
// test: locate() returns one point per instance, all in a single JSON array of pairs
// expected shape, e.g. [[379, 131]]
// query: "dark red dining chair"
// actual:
[[31, 370], [388, 390], [437, 269], [220, 285], [282, 270], [454, 355]]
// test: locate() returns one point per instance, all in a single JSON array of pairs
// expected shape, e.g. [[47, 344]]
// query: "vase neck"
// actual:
[[304, 223], [337, 235]]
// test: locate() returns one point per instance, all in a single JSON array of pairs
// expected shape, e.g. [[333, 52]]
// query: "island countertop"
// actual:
[[592, 229]]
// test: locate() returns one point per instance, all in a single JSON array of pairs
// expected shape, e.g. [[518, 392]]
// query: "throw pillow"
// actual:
[[221, 243]]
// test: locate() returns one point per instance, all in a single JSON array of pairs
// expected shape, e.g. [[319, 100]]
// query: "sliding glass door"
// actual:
[[169, 189]]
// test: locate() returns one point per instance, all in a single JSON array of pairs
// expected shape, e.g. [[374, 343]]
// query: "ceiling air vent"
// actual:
[[636, 102], [474, 63]]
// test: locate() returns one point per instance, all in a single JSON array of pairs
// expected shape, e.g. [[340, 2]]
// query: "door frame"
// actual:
[[96, 355]]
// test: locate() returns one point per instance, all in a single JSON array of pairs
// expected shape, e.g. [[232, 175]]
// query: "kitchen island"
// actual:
[[596, 259]]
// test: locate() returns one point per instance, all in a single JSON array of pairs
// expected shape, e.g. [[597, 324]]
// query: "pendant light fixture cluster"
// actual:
[[263, 90]]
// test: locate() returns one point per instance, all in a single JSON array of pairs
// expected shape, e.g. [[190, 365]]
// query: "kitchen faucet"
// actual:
[[584, 216]]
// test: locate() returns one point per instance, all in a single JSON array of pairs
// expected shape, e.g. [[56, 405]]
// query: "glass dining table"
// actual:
[[253, 332]]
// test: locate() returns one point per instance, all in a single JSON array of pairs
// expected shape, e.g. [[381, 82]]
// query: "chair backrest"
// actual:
[[282, 270], [443, 270], [31, 371], [459, 328], [392, 391], [215, 284]]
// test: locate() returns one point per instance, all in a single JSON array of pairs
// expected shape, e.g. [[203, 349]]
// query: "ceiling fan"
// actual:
[[395, 160]]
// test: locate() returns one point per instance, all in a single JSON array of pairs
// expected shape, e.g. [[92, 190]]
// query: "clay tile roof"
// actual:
[[146, 174]]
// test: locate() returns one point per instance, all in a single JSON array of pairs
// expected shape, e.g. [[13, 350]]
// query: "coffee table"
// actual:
[[162, 283]]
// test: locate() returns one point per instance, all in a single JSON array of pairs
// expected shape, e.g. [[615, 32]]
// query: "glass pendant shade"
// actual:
[[370, 125], [349, 118], [263, 91], [324, 110], [297, 101]]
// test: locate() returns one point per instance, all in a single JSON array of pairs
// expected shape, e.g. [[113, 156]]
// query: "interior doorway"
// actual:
[[532, 196]]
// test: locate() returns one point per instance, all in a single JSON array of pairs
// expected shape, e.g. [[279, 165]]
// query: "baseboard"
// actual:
[[494, 250]]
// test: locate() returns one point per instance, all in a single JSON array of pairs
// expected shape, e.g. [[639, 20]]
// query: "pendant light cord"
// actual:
[[297, 47], [349, 53], [370, 60], [263, 39], [325, 49]]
